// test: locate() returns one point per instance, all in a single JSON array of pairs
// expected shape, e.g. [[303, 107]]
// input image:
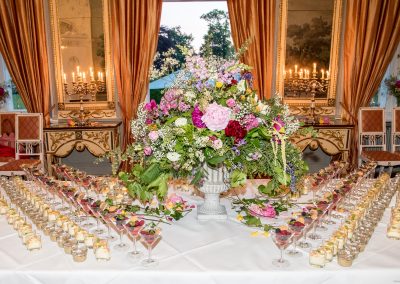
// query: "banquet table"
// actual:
[[197, 252]]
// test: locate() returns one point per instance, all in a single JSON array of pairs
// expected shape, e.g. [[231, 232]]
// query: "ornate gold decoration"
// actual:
[[336, 136], [101, 138], [334, 57], [59, 138], [332, 141], [61, 106], [305, 110], [89, 114]]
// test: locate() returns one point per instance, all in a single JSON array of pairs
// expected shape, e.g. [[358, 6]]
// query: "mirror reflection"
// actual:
[[308, 45], [81, 31]]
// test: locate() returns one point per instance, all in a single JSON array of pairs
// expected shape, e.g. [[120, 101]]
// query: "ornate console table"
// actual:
[[61, 139], [333, 139]]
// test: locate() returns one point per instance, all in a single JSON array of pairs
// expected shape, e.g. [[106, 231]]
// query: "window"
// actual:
[[201, 26], [13, 101], [383, 97]]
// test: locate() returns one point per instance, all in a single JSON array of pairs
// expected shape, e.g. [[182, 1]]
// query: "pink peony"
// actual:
[[230, 102], [196, 117], [153, 135], [148, 151], [216, 117]]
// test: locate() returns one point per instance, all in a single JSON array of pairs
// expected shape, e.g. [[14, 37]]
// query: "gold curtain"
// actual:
[[134, 35], [255, 20], [371, 38], [24, 49]]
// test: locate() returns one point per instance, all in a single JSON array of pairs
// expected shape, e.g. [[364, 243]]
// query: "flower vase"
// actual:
[[213, 186]]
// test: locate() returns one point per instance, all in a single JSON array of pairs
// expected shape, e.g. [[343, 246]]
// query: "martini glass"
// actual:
[[304, 244], [297, 231], [118, 226], [133, 232], [282, 241], [107, 218], [150, 237], [95, 211]]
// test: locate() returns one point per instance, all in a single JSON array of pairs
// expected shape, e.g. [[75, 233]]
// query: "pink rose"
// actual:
[[216, 117], [174, 198], [217, 144], [230, 102], [148, 151], [153, 135]]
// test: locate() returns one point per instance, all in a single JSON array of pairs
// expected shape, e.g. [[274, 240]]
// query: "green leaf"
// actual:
[[216, 160], [163, 187], [265, 133], [123, 176], [238, 178], [150, 174], [197, 177], [267, 189], [252, 221]]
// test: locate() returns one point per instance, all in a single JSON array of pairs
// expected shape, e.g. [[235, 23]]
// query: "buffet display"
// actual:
[[334, 219]]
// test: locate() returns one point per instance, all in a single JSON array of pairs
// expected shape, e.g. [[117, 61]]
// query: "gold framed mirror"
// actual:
[[82, 58], [308, 53]]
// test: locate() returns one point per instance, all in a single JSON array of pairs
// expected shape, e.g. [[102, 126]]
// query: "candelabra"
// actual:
[[83, 89], [300, 86]]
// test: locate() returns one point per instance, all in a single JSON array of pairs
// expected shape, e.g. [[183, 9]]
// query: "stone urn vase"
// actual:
[[214, 184]]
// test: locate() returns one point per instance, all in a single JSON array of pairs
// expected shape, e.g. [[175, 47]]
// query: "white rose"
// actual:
[[241, 85], [173, 156], [180, 122]]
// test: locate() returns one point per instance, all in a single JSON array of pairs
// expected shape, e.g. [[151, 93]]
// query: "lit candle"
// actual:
[[65, 78], [322, 72], [290, 73], [327, 75], [295, 69], [77, 70], [98, 76], [101, 76], [73, 76], [284, 74], [315, 68], [84, 77]]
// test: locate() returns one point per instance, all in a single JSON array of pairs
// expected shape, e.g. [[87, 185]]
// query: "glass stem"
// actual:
[[134, 243], [281, 259], [120, 238], [150, 250]]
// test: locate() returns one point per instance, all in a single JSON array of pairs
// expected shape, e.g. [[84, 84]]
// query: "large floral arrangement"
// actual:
[[3, 93], [393, 84], [212, 115]]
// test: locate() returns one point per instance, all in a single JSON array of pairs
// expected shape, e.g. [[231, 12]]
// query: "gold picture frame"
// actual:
[[93, 109], [301, 106]]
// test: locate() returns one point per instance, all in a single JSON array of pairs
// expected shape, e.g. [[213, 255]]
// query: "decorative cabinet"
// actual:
[[333, 139], [61, 140]]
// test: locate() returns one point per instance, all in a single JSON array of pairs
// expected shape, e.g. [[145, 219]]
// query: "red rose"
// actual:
[[234, 82], [234, 129], [2, 91]]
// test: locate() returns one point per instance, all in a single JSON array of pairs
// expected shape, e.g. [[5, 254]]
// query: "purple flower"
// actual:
[[183, 107], [2, 91], [196, 117], [279, 125]]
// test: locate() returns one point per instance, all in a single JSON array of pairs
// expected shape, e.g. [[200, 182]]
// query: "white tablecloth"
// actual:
[[194, 252]]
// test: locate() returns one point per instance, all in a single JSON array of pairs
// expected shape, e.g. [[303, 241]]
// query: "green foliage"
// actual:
[[217, 41], [172, 38]]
